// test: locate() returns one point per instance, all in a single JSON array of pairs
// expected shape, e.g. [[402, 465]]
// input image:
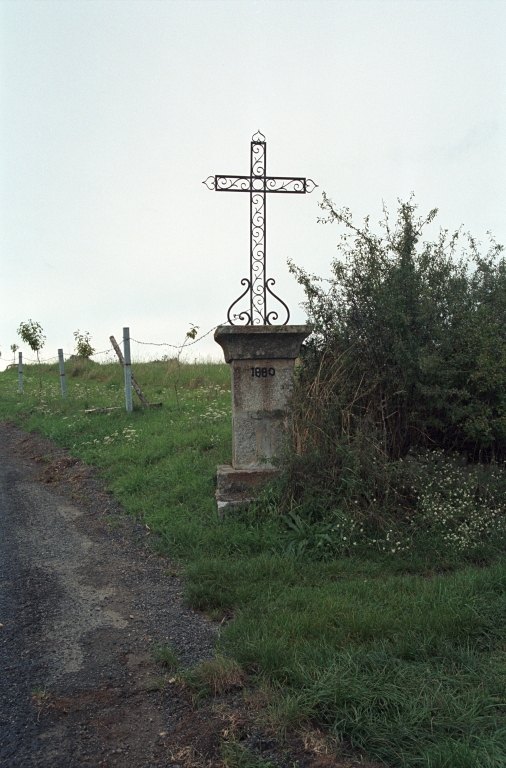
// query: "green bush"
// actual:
[[412, 340], [408, 356]]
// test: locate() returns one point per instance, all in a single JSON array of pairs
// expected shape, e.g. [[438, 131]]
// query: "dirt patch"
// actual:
[[56, 469], [83, 602]]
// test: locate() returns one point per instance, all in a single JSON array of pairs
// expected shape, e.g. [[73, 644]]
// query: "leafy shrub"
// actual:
[[411, 342], [408, 355]]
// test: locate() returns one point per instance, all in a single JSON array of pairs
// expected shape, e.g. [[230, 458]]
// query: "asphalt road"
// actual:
[[82, 602]]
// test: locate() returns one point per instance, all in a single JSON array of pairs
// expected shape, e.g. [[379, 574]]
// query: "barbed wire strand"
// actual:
[[176, 346], [55, 358]]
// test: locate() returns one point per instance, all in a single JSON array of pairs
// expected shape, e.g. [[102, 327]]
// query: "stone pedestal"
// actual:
[[261, 359]]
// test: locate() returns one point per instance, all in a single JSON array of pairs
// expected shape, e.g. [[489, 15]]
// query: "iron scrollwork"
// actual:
[[258, 184]]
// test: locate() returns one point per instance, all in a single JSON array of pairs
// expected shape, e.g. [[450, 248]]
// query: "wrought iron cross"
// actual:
[[258, 184]]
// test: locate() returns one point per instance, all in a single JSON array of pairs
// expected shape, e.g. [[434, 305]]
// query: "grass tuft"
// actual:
[[215, 677], [237, 755], [165, 656]]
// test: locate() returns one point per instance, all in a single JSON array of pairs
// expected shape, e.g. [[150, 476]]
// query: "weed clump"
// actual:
[[214, 677], [165, 656]]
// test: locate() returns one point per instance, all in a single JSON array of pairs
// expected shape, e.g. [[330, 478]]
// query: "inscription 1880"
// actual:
[[262, 373]]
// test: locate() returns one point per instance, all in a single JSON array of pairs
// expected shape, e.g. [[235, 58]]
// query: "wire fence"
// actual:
[[124, 359], [180, 347]]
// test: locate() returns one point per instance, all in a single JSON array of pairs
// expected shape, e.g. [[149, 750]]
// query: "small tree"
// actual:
[[85, 351], [31, 333], [14, 349]]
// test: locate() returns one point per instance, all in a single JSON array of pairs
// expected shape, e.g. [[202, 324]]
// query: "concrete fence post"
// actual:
[[128, 370], [61, 363], [20, 372]]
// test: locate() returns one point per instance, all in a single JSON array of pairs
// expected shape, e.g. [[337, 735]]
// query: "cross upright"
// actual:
[[258, 184]]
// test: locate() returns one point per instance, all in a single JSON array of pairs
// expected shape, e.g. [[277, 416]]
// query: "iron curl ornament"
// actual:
[[258, 185]]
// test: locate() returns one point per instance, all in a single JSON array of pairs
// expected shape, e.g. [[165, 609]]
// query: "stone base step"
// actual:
[[236, 487]]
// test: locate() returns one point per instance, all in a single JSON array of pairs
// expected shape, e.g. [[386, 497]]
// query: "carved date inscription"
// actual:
[[262, 373]]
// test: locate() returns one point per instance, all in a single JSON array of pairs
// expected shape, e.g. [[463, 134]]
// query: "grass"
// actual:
[[40, 697], [236, 755], [403, 656], [165, 656], [214, 677]]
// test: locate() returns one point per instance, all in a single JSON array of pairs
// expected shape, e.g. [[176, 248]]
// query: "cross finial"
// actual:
[[258, 184]]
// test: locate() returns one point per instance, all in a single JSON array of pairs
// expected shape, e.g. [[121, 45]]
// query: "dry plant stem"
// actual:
[[177, 380], [179, 373], [189, 335]]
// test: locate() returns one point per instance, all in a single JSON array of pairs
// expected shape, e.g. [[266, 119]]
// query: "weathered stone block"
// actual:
[[260, 411], [256, 342], [239, 486]]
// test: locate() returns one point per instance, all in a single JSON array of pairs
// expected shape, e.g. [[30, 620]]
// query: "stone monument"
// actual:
[[261, 353], [261, 359]]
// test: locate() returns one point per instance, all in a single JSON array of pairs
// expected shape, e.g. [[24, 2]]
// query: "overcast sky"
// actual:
[[115, 111]]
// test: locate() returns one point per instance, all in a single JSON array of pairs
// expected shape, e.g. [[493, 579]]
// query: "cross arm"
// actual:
[[288, 185], [280, 184], [229, 183]]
